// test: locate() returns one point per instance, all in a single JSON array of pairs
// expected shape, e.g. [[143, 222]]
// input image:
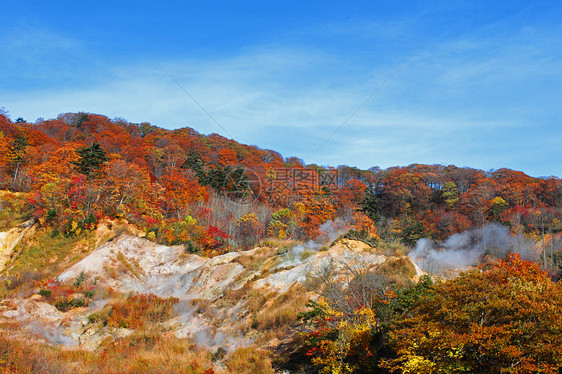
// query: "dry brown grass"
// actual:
[[153, 353], [392, 248], [268, 316], [398, 270], [278, 243], [253, 298], [142, 352], [132, 267], [256, 259], [203, 306], [42, 256], [22, 353], [135, 312], [249, 360], [278, 315]]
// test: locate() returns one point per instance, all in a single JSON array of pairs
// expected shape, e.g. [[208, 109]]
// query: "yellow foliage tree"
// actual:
[[340, 342]]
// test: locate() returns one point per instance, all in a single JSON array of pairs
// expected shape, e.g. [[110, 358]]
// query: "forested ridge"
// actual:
[[181, 186]]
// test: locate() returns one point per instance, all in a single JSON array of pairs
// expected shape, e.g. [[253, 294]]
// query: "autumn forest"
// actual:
[[181, 186], [212, 196]]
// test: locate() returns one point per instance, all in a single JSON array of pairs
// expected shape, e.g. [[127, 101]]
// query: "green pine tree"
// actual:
[[91, 160]]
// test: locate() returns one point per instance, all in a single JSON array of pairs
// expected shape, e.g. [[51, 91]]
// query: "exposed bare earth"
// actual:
[[132, 264], [9, 239]]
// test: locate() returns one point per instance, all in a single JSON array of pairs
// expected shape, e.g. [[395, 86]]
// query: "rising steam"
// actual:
[[329, 231], [461, 251]]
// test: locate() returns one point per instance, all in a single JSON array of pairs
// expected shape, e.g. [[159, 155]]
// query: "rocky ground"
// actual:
[[216, 296]]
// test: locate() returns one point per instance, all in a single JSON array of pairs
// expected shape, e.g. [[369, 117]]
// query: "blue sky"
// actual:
[[481, 87]]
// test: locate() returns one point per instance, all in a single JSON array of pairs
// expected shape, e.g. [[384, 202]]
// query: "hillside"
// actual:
[[131, 302], [130, 248], [129, 264], [223, 304], [183, 187]]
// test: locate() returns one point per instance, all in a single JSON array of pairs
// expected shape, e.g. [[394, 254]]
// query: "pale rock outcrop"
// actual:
[[132, 264], [343, 253], [9, 239], [129, 263]]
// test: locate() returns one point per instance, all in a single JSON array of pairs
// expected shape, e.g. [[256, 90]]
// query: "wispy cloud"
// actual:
[[28, 42], [33, 57]]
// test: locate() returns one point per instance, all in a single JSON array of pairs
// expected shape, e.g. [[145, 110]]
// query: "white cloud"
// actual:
[[28, 42], [468, 101]]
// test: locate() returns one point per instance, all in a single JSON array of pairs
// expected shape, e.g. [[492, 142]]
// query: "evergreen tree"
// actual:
[[372, 205], [194, 162], [91, 160]]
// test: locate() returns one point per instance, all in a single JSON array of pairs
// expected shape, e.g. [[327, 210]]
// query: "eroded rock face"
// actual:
[[27, 309], [9, 239], [343, 253], [134, 264], [131, 264], [40, 318], [71, 329]]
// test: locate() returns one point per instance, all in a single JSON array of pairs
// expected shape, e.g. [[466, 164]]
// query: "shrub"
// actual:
[[26, 277], [397, 270], [306, 254], [361, 235], [66, 295], [507, 318], [14, 209]]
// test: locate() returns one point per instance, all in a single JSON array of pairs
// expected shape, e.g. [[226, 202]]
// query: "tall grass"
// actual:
[[141, 352]]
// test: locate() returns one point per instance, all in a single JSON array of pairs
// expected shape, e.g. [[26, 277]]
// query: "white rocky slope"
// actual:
[[131, 264], [9, 239]]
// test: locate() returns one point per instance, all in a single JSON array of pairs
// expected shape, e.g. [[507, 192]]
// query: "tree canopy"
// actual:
[[91, 159], [506, 318]]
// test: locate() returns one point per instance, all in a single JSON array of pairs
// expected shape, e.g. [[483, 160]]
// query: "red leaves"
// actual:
[[213, 238], [312, 351], [514, 267], [215, 232]]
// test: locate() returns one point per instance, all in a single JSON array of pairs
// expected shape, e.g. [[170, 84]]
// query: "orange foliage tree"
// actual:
[[505, 318], [313, 211]]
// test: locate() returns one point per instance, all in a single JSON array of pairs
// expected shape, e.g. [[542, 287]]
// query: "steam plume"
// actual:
[[329, 231], [461, 251]]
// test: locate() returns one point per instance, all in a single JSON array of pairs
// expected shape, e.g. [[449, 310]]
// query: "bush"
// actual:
[[507, 318], [24, 278], [66, 296], [361, 235], [397, 270]]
